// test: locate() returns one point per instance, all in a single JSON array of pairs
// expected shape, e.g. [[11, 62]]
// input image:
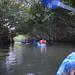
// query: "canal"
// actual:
[[30, 60]]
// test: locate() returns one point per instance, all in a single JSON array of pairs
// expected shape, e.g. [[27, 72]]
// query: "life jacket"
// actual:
[[43, 41]]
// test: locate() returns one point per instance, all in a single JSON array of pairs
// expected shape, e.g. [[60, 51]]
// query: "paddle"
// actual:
[[53, 4]]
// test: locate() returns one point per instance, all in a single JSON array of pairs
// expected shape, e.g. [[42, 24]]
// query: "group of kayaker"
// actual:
[[35, 41]]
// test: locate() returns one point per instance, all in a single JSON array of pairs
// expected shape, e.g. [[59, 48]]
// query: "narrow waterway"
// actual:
[[31, 60]]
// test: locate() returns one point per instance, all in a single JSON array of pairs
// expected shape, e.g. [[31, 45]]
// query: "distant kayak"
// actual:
[[29, 41], [68, 65], [23, 42]]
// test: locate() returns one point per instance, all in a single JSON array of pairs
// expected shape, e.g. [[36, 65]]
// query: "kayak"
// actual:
[[41, 44], [67, 65]]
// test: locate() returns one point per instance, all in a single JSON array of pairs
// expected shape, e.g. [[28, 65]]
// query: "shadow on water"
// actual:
[[4, 49], [32, 60], [4, 46]]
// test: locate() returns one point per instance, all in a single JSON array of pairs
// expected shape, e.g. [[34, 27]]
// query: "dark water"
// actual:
[[30, 60]]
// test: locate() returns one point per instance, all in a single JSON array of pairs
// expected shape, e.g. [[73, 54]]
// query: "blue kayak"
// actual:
[[67, 65]]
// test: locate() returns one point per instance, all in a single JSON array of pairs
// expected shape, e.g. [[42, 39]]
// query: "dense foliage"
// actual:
[[30, 17]]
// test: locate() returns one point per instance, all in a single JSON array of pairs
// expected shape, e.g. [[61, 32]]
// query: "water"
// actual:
[[30, 60]]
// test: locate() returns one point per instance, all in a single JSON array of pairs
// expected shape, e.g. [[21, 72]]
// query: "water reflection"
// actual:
[[30, 73], [11, 59], [43, 50]]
